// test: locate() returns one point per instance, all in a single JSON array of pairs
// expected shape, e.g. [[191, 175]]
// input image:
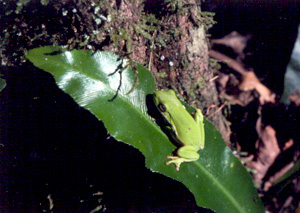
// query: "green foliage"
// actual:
[[218, 180], [161, 74], [2, 84], [176, 6], [122, 35], [44, 2], [214, 64], [21, 3], [207, 19]]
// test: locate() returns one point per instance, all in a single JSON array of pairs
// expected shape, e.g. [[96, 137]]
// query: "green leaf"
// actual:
[[218, 180], [2, 84]]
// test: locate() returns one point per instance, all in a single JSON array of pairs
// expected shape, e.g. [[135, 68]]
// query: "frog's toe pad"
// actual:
[[176, 160]]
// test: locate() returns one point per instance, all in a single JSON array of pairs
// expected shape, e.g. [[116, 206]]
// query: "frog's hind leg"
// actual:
[[185, 154], [188, 152]]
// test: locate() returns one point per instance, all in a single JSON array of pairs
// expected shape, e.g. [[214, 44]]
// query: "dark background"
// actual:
[[273, 26]]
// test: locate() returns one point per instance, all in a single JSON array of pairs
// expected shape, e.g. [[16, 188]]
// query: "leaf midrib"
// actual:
[[220, 186]]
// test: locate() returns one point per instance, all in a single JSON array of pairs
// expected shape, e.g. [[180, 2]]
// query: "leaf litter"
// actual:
[[274, 148]]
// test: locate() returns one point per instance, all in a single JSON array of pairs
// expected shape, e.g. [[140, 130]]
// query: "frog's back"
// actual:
[[188, 131]]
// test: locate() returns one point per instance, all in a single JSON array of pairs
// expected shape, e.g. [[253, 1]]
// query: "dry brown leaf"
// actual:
[[223, 80], [234, 40], [268, 150], [243, 99], [298, 208], [228, 87], [288, 144], [251, 82]]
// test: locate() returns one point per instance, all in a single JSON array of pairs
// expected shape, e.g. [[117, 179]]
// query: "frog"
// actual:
[[186, 130]]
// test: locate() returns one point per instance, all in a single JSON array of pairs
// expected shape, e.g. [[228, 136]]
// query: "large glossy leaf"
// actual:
[[217, 180]]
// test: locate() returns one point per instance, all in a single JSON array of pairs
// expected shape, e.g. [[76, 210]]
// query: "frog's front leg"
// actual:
[[185, 154]]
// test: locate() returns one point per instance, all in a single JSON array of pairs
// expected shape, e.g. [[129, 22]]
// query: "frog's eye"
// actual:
[[162, 107]]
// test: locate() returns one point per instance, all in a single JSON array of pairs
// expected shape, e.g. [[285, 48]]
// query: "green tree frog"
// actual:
[[186, 130]]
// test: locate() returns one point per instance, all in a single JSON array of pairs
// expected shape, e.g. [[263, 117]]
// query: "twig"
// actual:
[[214, 78], [218, 110], [229, 61]]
